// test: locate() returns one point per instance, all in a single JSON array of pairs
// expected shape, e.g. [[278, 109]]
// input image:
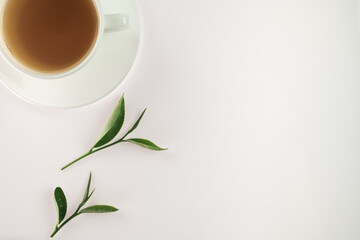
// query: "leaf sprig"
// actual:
[[61, 205], [111, 130]]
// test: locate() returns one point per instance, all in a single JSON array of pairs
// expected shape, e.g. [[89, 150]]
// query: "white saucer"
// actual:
[[105, 71]]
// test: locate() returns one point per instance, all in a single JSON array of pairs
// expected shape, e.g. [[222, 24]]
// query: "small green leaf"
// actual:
[[99, 209], [145, 143], [61, 204], [86, 194], [113, 125], [136, 123], [91, 194]]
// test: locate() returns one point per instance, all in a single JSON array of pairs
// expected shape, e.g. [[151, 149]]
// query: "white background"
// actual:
[[259, 104]]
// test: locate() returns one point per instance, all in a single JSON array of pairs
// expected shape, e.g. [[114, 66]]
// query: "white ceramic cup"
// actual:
[[107, 23]]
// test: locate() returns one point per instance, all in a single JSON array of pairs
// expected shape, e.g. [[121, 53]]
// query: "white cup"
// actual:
[[107, 23]]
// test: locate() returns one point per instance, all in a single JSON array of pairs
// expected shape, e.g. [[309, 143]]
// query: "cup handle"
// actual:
[[116, 22]]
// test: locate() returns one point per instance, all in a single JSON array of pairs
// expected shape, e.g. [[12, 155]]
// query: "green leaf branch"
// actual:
[[111, 130], [61, 205]]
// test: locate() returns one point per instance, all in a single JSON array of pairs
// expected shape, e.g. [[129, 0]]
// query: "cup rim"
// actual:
[[12, 61]]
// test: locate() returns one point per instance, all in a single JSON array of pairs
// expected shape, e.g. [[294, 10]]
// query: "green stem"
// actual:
[[94, 151], [78, 159], [57, 228], [55, 231]]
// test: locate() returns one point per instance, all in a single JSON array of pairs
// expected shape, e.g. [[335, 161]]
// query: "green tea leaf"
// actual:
[[113, 125], [61, 203], [91, 194], [99, 209], [110, 131], [145, 143], [62, 206], [86, 194], [136, 123]]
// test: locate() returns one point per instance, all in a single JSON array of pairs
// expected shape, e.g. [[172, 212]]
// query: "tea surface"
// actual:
[[50, 36]]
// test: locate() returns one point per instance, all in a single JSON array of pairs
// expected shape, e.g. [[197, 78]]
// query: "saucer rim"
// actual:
[[81, 105]]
